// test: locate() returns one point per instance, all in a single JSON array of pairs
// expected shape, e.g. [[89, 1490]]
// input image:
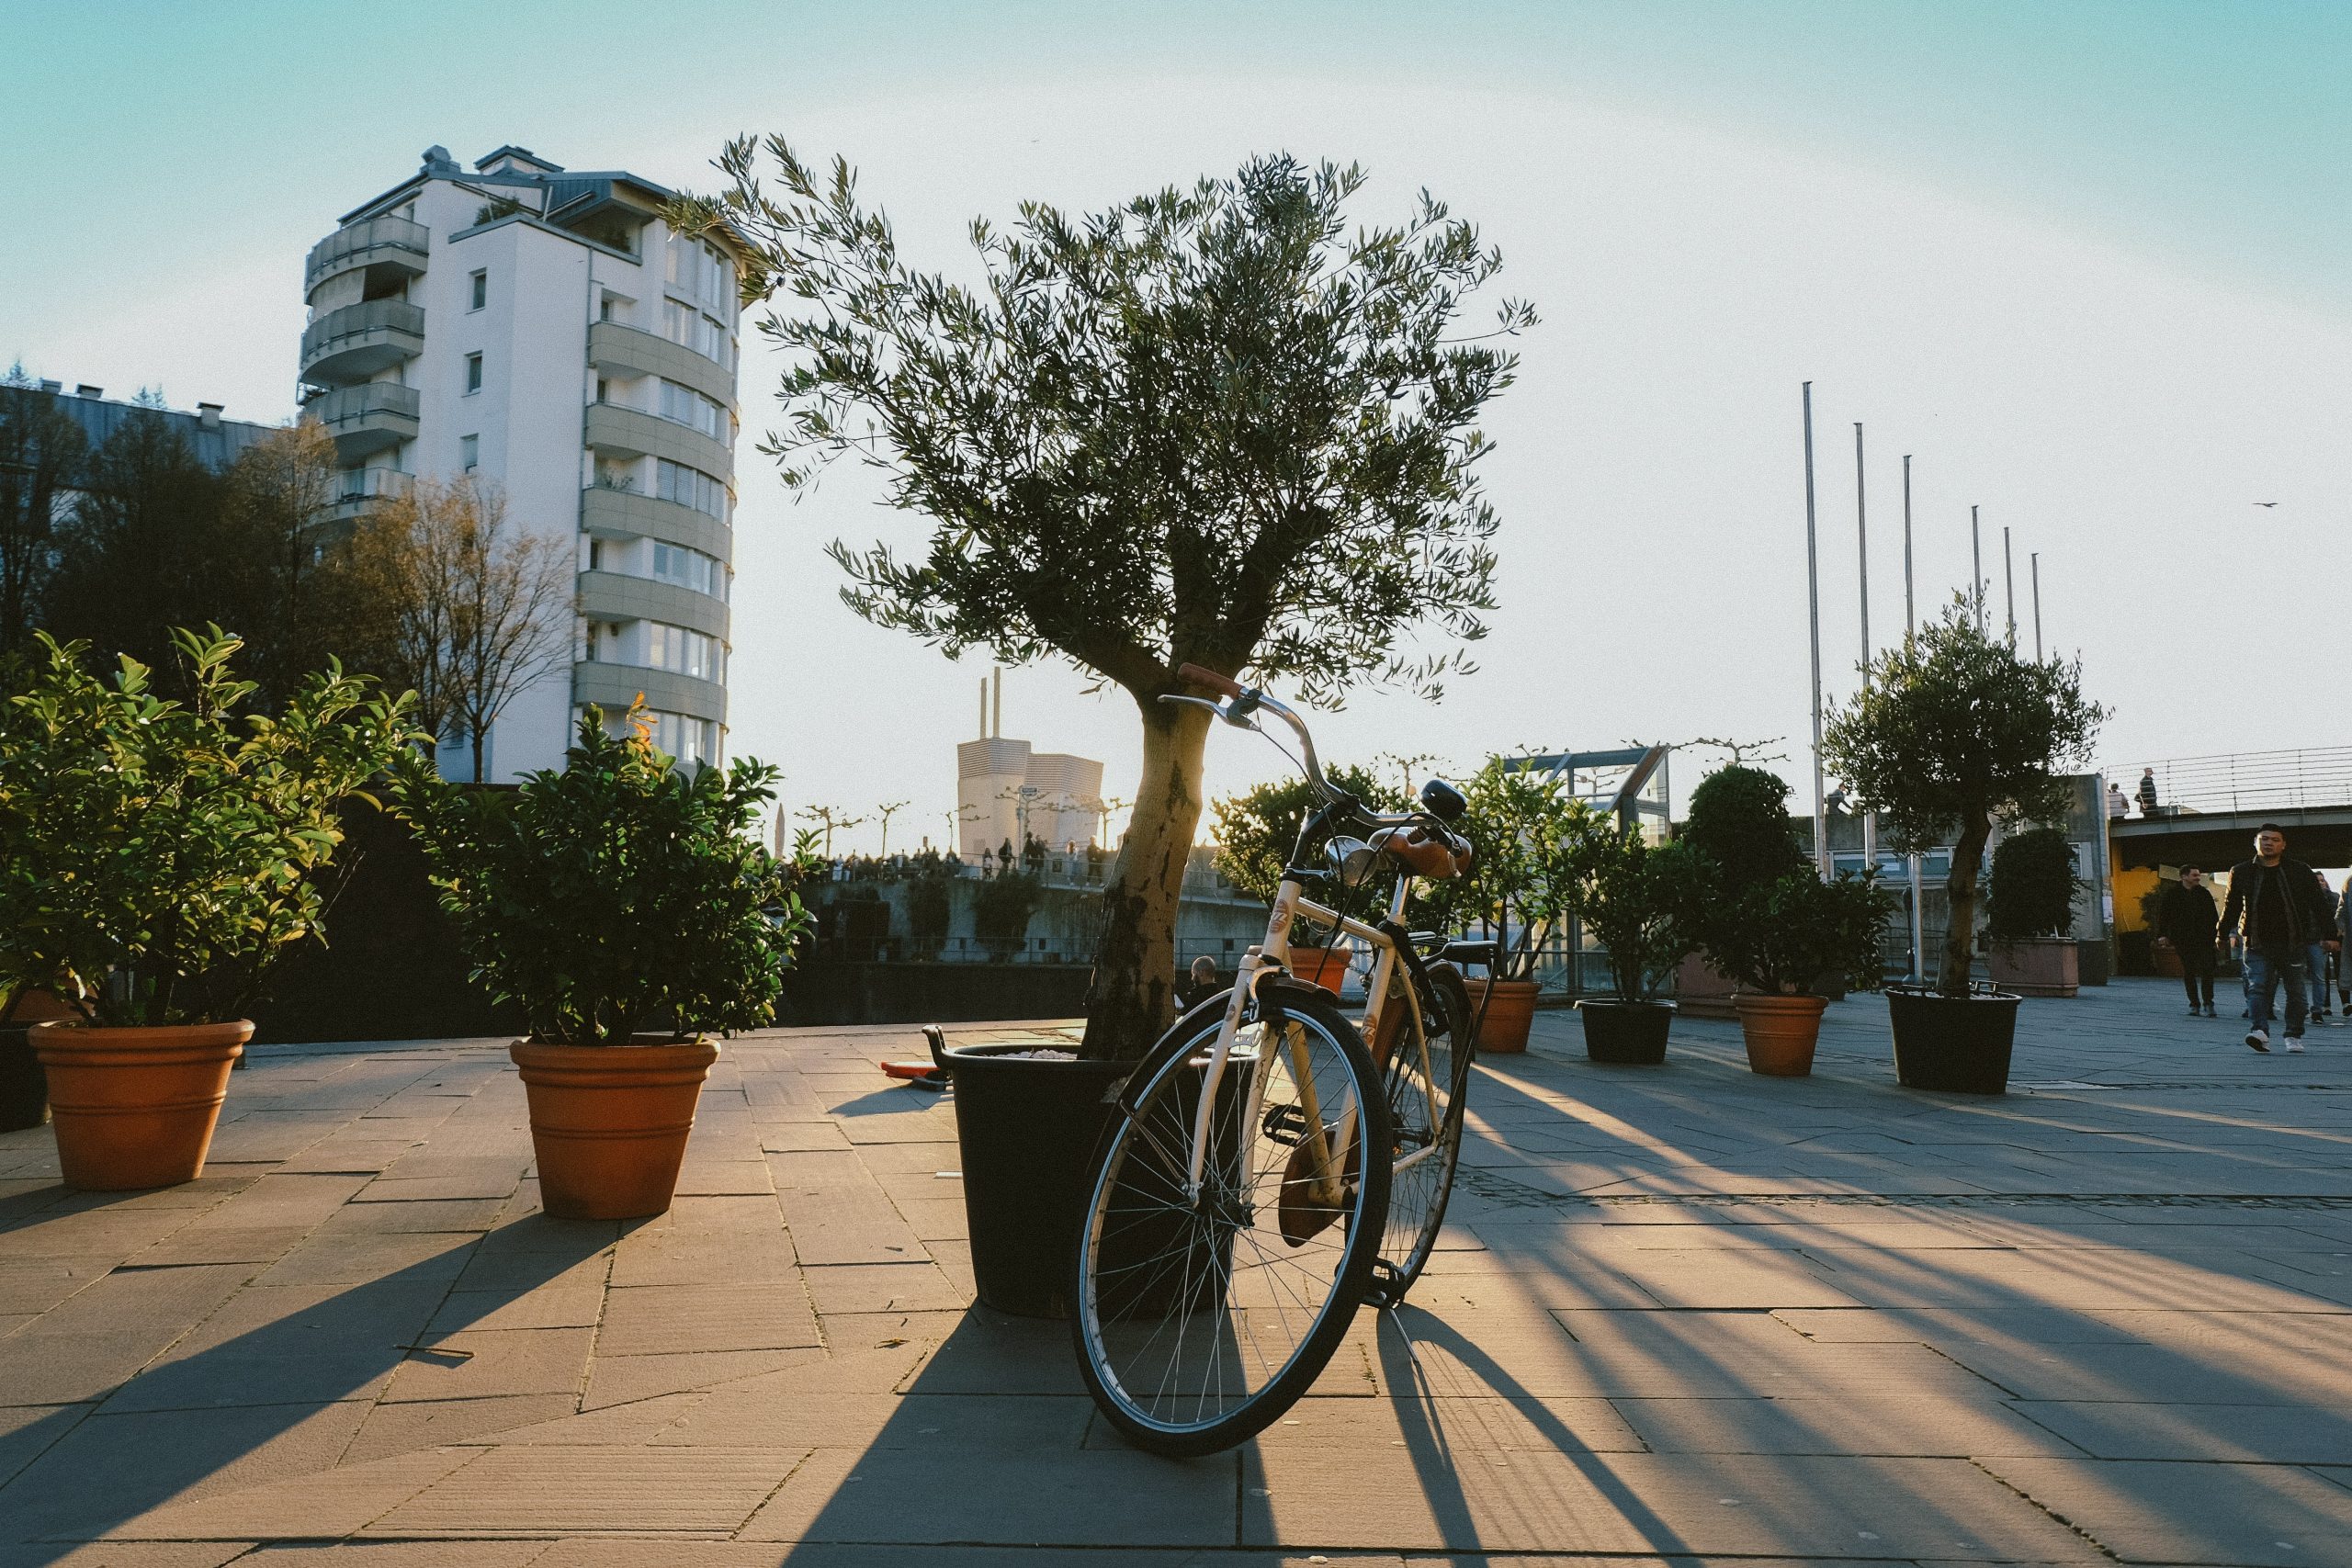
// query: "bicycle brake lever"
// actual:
[[1217, 708]]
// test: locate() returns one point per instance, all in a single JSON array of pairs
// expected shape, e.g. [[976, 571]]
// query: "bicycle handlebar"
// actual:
[[1243, 702], [1200, 676]]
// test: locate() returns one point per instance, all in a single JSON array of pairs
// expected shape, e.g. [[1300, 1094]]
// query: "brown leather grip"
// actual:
[[1429, 853], [1209, 678]]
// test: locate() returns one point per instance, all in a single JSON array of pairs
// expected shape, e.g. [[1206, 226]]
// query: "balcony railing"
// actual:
[[359, 340], [361, 489], [367, 242], [367, 418], [2245, 781]]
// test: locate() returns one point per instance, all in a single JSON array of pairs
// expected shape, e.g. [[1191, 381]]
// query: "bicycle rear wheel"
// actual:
[[1425, 1081], [1200, 1321]]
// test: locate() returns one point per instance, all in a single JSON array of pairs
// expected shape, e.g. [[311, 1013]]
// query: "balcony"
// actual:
[[367, 419], [612, 346], [359, 340], [622, 513], [633, 433], [366, 489], [388, 247]]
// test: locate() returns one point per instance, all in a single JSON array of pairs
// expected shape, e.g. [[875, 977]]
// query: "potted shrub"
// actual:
[[1521, 822], [931, 882], [1256, 832], [157, 857], [1784, 944], [2029, 914], [1950, 733], [1739, 826], [1639, 900], [628, 907]]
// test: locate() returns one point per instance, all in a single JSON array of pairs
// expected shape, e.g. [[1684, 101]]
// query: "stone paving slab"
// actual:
[[1680, 1316]]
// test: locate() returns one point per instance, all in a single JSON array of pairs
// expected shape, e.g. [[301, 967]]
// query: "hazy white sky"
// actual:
[[2117, 396]]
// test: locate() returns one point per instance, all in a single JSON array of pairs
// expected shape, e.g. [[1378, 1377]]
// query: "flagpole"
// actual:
[[1862, 546], [1910, 627], [2037, 606], [1976, 569], [1813, 600]]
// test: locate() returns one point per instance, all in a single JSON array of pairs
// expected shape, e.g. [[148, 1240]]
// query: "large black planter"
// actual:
[[24, 1086], [1028, 1130], [1955, 1044], [1625, 1033]]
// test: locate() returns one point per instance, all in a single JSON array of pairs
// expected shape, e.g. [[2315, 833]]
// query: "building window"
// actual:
[[685, 652], [692, 487], [689, 569], [474, 372], [481, 290], [595, 555], [684, 405], [604, 309], [689, 328], [468, 452]]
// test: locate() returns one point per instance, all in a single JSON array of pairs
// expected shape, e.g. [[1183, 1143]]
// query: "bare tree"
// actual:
[[466, 609], [832, 821], [887, 810], [280, 489], [41, 456]]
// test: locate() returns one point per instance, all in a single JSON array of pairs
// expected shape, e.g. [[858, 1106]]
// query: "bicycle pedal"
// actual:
[[1387, 1287], [1284, 1124]]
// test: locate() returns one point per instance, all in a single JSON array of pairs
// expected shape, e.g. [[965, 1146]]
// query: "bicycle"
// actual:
[[1234, 1220]]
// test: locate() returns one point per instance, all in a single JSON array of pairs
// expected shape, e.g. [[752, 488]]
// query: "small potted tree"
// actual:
[[1256, 832], [628, 909], [1783, 942], [1740, 828], [1950, 733], [1521, 822], [2029, 912], [157, 858], [1640, 900]]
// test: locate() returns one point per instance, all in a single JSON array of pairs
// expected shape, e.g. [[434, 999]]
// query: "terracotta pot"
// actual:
[[610, 1123], [2039, 966], [1502, 1031], [1702, 990], [135, 1107], [1779, 1031], [1324, 967]]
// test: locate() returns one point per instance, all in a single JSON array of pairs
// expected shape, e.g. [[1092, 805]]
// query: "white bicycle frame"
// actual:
[[1271, 956]]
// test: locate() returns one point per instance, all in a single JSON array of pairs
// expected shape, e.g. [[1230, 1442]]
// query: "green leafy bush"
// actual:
[[1001, 911], [1257, 829], [930, 908], [1739, 822], [1641, 900], [157, 857], [1802, 931], [2033, 886], [619, 895], [1520, 822]]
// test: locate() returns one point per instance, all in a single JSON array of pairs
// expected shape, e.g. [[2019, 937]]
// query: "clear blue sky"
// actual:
[[2216, 132]]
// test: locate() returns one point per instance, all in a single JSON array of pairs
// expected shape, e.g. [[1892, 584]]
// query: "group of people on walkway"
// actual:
[[2287, 927]]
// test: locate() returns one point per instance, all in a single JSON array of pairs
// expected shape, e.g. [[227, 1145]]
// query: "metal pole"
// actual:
[[1862, 548], [2009, 586], [1813, 599], [1976, 569], [2037, 606], [1911, 862], [1908, 625]]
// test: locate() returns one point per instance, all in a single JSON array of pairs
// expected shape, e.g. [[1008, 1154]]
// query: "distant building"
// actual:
[[542, 329], [1008, 792], [215, 441]]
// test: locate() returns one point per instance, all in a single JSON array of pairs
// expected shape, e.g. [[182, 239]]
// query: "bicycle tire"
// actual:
[[1419, 1193], [1148, 1262]]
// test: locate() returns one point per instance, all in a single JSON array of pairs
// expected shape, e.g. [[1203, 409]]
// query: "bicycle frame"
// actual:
[[1271, 957]]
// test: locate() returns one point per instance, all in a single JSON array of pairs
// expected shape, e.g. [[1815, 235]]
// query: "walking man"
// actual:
[[2277, 899], [2190, 922], [2147, 791]]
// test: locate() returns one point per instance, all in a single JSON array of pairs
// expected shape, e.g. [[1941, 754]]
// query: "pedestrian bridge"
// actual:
[[2208, 808]]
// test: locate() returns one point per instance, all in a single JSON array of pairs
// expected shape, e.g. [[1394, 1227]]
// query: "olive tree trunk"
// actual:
[[1960, 889], [1134, 991]]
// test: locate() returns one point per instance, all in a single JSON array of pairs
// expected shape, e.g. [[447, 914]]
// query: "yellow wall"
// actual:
[[2132, 885]]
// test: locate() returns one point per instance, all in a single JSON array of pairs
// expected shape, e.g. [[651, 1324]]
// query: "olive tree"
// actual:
[[1218, 425], [1950, 731]]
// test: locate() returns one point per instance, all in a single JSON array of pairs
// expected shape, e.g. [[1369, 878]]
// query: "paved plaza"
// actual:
[[1685, 1315]]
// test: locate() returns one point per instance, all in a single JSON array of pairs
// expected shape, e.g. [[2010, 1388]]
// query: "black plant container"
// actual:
[[23, 1085], [1625, 1033], [1953, 1045]]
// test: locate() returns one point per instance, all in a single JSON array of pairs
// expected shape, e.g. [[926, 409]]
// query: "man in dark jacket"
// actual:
[[2278, 901], [2189, 921]]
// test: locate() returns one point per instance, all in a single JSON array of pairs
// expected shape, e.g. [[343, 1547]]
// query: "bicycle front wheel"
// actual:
[[1201, 1317]]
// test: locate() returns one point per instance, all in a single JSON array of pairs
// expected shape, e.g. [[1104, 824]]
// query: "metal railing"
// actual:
[[345, 404], [374, 484], [365, 319], [2244, 780], [369, 240]]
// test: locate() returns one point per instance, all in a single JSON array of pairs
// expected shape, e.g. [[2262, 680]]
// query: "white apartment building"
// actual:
[[543, 331]]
